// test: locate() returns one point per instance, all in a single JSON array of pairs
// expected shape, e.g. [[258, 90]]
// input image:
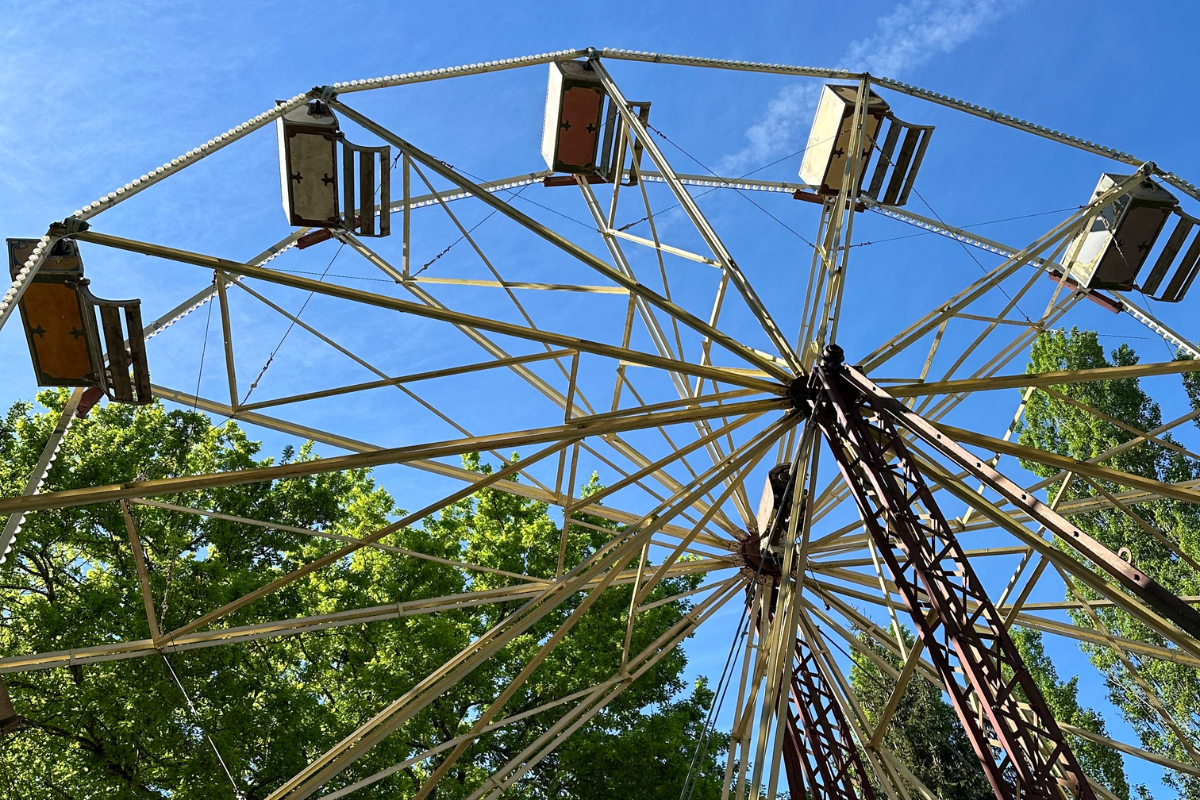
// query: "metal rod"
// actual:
[[564, 244], [40, 470]]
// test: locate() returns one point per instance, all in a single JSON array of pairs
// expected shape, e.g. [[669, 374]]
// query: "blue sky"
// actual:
[[100, 93]]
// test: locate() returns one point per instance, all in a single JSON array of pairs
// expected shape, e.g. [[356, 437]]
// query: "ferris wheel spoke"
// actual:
[[216, 637], [704, 429], [466, 235], [484, 482], [415, 377], [1148, 485], [954, 392], [937, 408], [387, 548], [855, 718], [1148, 693], [604, 562], [644, 309], [357, 295], [754, 670], [831, 592], [500, 359], [640, 592], [142, 648], [1049, 626], [1087, 635], [688, 203], [1146, 603], [562, 434], [630, 670], [433, 751], [1058, 234], [650, 468], [539, 384], [782, 624], [516, 768], [385, 379], [532, 378], [927, 672], [1045, 379], [754, 604], [564, 244], [1136, 752], [425, 464]]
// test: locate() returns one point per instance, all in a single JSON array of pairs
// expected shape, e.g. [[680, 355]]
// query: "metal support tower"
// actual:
[[820, 757], [821, 746], [1023, 751]]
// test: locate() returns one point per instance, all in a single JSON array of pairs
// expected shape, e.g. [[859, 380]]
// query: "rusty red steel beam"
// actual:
[[828, 758], [820, 758], [1033, 760], [1154, 594]]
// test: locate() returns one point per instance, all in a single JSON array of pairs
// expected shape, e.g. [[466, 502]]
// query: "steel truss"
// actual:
[[795, 707], [1023, 751], [821, 746], [820, 757]]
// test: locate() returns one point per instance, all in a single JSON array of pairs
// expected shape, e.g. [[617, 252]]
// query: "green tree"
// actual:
[[1099, 762], [1054, 424], [926, 735], [924, 732], [123, 729]]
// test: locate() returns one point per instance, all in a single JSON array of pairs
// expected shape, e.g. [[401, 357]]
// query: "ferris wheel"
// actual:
[[829, 496]]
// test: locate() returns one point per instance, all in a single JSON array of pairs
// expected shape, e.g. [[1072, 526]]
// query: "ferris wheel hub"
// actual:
[[760, 563], [801, 390]]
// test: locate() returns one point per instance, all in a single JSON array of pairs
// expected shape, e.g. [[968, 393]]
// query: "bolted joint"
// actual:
[[68, 227], [323, 93], [833, 358], [800, 393]]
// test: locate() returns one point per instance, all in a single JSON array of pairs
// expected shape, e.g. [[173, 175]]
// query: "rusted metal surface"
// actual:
[[824, 748], [1154, 594], [820, 758], [1024, 753]]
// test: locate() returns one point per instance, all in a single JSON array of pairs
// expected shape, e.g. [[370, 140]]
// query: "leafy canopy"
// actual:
[[1054, 424], [123, 729]]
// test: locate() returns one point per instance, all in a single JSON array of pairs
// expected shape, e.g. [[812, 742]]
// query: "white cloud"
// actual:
[[912, 34], [918, 30]]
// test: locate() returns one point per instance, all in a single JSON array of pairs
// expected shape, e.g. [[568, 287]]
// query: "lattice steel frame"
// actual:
[[973, 632], [1031, 756], [819, 743]]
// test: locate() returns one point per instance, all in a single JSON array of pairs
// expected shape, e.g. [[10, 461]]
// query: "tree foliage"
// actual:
[[924, 732], [124, 729], [1057, 425], [1100, 763]]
